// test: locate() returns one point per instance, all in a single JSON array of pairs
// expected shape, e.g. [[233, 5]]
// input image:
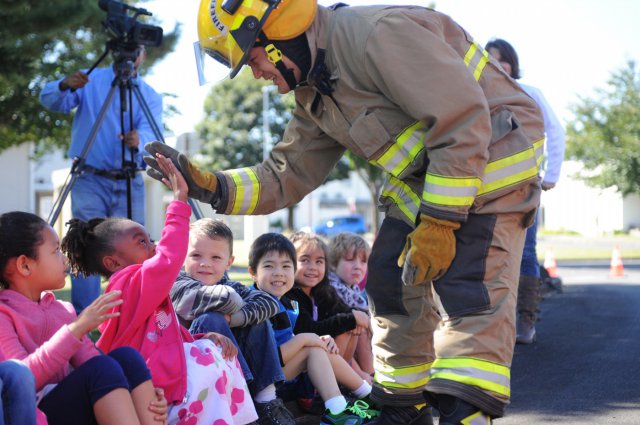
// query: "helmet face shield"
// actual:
[[212, 62], [229, 38]]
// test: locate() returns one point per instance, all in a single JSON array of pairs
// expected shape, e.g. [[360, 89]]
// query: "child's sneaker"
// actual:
[[356, 413]]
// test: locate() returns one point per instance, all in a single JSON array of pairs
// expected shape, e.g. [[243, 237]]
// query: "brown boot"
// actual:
[[528, 299]]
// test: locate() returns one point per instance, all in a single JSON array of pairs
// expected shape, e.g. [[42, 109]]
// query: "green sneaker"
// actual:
[[356, 413]]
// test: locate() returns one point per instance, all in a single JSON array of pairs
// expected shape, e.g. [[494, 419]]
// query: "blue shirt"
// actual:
[[106, 151]]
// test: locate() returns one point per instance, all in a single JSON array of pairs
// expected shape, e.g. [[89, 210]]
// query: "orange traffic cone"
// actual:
[[550, 263], [617, 268]]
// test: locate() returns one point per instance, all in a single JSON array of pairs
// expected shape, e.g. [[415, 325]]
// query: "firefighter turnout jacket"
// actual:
[[426, 104], [410, 91]]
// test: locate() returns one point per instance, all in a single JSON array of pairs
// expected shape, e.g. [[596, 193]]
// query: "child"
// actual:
[[272, 265], [348, 255], [199, 383], [204, 296], [321, 310], [75, 383], [17, 391]]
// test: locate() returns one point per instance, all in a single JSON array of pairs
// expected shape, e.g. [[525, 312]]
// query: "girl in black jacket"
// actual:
[[321, 310]]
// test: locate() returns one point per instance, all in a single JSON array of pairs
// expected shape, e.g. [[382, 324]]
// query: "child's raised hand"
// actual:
[[159, 406], [174, 179], [97, 312], [229, 349]]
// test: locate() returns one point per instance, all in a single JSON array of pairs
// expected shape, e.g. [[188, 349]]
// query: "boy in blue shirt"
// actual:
[[272, 265]]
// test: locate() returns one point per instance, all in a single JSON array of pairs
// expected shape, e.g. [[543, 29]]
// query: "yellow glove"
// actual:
[[429, 250], [202, 184]]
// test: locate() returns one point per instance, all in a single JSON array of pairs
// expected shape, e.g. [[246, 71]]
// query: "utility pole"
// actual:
[[266, 131]]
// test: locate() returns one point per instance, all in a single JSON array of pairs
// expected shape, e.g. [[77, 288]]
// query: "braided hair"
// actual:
[[20, 234], [87, 242]]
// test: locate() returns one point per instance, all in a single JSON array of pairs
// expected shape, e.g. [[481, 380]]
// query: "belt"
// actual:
[[120, 174]]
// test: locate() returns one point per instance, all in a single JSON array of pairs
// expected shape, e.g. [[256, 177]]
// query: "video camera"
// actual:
[[127, 33]]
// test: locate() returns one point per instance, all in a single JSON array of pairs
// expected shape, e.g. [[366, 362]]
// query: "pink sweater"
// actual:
[[37, 334], [147, 321]]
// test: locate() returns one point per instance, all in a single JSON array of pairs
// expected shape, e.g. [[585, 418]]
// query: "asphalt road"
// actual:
[[585, 366]]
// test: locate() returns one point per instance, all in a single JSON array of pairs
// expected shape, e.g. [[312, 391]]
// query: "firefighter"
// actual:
[[409, 90]]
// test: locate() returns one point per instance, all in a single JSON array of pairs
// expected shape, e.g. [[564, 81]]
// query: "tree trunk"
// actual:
[[290, 218], [375, 213]]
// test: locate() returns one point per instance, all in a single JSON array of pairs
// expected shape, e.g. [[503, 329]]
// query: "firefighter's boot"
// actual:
[[528, 300], [405, 415], [455, 411]]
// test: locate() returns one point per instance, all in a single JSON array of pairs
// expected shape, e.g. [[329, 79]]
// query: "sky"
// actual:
[[567, 48]]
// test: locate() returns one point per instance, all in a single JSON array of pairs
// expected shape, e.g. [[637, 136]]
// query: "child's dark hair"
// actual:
[[323, 290], [507, 54], [213, 229], [20, 234], [86, 243], [267, 243]]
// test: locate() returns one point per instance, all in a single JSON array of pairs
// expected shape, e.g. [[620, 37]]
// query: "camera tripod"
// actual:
[[124, 70]]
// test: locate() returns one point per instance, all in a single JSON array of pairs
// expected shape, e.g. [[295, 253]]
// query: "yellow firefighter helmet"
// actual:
[[228, 29]]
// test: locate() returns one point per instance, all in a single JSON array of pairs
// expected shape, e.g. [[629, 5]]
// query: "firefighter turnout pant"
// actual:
[[453, 336]]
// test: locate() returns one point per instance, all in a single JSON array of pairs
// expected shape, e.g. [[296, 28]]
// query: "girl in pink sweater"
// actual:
[[75, 384], [201, 377]]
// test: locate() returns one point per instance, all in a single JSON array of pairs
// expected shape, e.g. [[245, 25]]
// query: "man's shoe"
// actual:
[[525, 330], [356, 413], [403, 415], [274, 413], [454, 411]]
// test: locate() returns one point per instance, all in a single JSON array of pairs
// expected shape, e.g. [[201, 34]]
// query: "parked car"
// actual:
[[346, 223]]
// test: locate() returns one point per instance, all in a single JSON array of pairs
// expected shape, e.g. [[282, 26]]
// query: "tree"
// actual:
[[373, 178], [41, 41], [232, 128], [605, 134]]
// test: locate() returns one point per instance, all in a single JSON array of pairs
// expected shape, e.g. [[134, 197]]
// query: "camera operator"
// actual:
[[101, 188]]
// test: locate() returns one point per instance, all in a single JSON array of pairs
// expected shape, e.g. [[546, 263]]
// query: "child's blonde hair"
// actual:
[[345, 245], [213, 229]]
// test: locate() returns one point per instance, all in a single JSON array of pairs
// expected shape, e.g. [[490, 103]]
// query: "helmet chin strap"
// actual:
[[274, 55]]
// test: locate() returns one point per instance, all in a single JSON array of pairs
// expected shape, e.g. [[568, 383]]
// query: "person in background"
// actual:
[[529, 285], [101, 189]]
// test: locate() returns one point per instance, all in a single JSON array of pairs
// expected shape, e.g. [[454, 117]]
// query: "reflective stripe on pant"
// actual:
[[474, 344], [404, 319]]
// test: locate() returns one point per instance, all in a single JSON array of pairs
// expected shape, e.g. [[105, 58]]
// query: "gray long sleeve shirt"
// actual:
[[246, 307]]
